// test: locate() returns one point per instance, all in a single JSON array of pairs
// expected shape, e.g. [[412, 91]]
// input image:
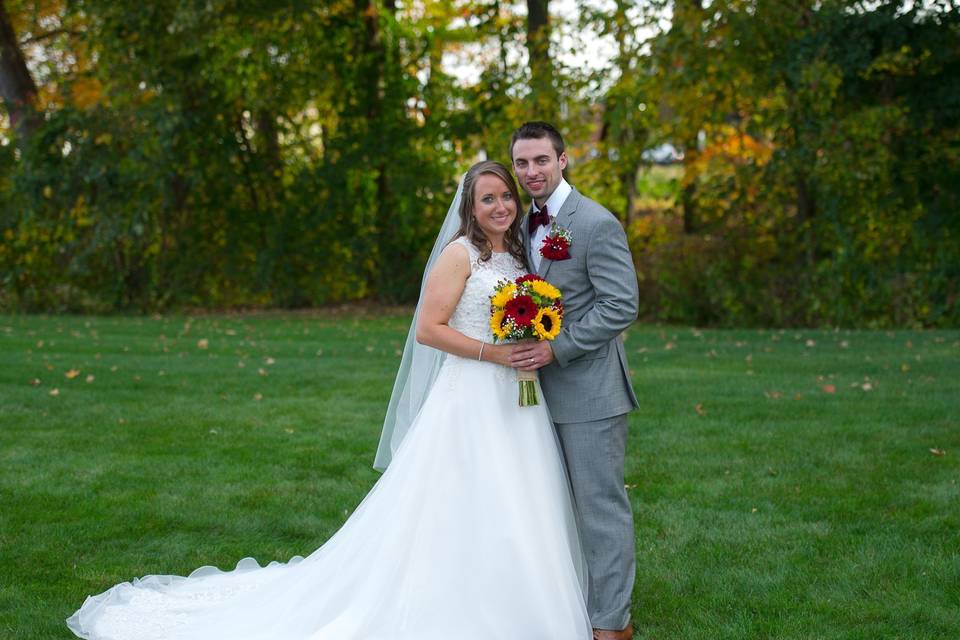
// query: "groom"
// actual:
[[583, 372]]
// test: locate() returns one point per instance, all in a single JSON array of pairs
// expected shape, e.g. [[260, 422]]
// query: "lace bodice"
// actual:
[[472, 315]]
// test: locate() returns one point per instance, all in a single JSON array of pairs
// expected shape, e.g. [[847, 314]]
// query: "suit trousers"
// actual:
[[594, 453]]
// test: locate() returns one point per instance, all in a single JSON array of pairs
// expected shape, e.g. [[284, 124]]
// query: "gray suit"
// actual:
[[587, 389]]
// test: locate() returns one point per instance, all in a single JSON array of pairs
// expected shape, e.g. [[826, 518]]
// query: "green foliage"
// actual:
[[822, 191], [236, 158], [231, 154]]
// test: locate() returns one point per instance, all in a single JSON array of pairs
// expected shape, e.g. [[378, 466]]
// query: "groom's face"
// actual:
[[538, 167]]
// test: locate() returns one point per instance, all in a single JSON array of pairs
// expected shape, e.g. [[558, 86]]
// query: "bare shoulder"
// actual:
[[455, 258]]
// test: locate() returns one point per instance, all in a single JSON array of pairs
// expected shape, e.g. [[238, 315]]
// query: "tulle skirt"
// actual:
[[469, 534]]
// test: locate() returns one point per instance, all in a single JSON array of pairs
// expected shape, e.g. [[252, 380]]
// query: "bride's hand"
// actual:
[[498, 353]]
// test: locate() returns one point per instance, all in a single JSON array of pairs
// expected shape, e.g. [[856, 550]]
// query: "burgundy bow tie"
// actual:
[[538, 219]]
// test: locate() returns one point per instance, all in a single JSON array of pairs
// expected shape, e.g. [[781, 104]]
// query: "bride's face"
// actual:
[[493, 205]]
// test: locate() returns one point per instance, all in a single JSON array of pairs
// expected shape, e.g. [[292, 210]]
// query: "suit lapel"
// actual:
[[562, 219], [526, 234]]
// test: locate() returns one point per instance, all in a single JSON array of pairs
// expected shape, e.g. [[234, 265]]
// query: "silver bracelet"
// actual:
[[482, 345]]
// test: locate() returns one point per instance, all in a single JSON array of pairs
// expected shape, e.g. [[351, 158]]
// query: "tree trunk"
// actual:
[[269, 143], [373, 76], [806, 211], [630, 191], [17, 88], [687, 197], [541, 70]]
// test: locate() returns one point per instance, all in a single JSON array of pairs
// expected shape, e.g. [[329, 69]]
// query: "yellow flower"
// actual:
[[502, 297], [496, 325], [547, 323], [545, 289]]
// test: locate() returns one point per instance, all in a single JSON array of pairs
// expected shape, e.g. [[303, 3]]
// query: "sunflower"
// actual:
[[497, 325], [546, 325], [544, 289], [502, 296]]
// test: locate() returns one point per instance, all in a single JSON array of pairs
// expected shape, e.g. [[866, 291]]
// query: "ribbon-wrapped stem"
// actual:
[[528, 388]]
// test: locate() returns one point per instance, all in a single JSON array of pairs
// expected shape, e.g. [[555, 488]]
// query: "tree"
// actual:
[[542, 91], [17, 88]]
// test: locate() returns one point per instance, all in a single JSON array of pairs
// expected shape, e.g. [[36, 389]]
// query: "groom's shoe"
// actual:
[[609, 634]]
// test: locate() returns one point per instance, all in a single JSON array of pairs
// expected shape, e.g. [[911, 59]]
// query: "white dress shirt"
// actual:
[[554, 202]]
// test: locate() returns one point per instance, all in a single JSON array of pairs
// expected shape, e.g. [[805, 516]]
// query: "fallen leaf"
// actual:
[[203, 343], [844, 344], [288, 430], [773, 395], [90, 378], [829, 388], [811, 343], [700, 410], [54, 392], [262, 371], [258, 396], [34, 381], [269, 360], [938, 452], [866, 386], [669, 346]]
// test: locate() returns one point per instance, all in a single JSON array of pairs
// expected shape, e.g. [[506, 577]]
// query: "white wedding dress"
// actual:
[[470, 534]]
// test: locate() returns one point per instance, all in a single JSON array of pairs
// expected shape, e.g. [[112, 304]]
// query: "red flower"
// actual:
[[530, 277], [522, 310], [555, 248]]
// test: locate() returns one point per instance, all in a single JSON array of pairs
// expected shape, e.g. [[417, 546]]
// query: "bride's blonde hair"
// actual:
[[468, 223]]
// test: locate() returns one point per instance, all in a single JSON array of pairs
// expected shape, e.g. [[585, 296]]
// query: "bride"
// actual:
[[470, 533]]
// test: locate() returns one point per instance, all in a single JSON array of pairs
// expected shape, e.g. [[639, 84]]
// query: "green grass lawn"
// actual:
[[785, 484]]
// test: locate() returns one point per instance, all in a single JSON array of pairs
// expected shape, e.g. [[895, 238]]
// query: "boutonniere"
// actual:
[[556, 246]]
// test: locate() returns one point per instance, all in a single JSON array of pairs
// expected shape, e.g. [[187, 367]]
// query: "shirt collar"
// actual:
[[556, 199]]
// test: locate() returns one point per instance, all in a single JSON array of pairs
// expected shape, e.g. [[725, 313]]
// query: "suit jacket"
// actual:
[[589, 378]]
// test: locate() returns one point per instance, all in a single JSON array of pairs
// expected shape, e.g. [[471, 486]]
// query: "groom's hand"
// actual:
[[530, 356]]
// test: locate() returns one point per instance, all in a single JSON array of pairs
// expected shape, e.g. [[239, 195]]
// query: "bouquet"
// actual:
[[529, 308]]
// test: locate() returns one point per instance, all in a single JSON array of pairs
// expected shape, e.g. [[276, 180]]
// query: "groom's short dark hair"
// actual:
[[537, 130]]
